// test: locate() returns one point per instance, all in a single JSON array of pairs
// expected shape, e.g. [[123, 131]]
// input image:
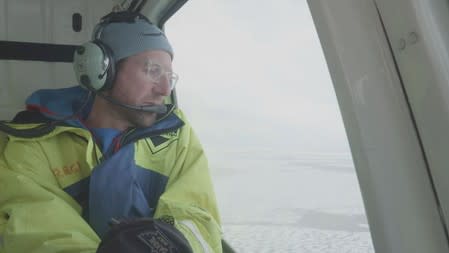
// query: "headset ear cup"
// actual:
[[92, 65], [109, 73]]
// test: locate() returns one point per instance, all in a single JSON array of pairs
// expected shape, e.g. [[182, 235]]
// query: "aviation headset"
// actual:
[[94, 62]]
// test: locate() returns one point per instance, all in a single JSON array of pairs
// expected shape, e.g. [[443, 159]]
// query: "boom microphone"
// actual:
[[143, 108]]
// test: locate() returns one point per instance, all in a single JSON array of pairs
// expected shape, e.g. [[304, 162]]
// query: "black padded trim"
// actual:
[[27, 117], [29, 51], [37, 131]]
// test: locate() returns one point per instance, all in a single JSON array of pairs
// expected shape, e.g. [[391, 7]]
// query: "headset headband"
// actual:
[[117, 17]]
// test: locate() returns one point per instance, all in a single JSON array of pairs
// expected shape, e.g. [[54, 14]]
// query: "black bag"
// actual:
[[143, 236]]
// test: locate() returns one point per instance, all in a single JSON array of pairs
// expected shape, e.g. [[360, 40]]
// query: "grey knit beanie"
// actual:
[[129, 38]]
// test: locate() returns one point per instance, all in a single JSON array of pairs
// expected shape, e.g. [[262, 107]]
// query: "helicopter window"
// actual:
[[255, 86]]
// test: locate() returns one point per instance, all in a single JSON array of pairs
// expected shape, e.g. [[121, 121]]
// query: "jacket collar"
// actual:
[[61, 105]]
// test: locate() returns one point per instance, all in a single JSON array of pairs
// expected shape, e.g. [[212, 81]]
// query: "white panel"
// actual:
[[51, 20], [62, 75], [25, 21], [23, 81], [3, 16], [421, 46], [4, 81], [8, 104], [400, 203], [61, 21], [61, 18]]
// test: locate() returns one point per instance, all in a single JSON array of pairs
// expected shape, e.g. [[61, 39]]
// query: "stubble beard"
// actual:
[[140, 119]]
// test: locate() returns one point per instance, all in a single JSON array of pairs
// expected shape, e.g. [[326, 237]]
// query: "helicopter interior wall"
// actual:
[[393, 96], [420, 42], [41, 22]]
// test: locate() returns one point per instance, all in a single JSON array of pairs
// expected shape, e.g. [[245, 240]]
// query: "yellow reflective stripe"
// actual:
[[195, 231]]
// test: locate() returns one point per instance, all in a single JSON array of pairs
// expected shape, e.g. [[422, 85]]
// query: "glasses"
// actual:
[[155, 72]]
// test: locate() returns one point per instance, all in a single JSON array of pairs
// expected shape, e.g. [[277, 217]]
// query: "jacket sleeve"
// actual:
[[189, 196], [36, 215]]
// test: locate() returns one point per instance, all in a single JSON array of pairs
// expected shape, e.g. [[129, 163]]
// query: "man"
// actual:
[[108, 163]]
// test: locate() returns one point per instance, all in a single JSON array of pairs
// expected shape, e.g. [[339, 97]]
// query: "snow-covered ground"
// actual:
[[274, 239], [281, 202]]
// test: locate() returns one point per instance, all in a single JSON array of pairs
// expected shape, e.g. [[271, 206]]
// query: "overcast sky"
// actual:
[[253, 75]]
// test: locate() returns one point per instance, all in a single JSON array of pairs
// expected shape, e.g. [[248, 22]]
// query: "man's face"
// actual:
[[135, 85]]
